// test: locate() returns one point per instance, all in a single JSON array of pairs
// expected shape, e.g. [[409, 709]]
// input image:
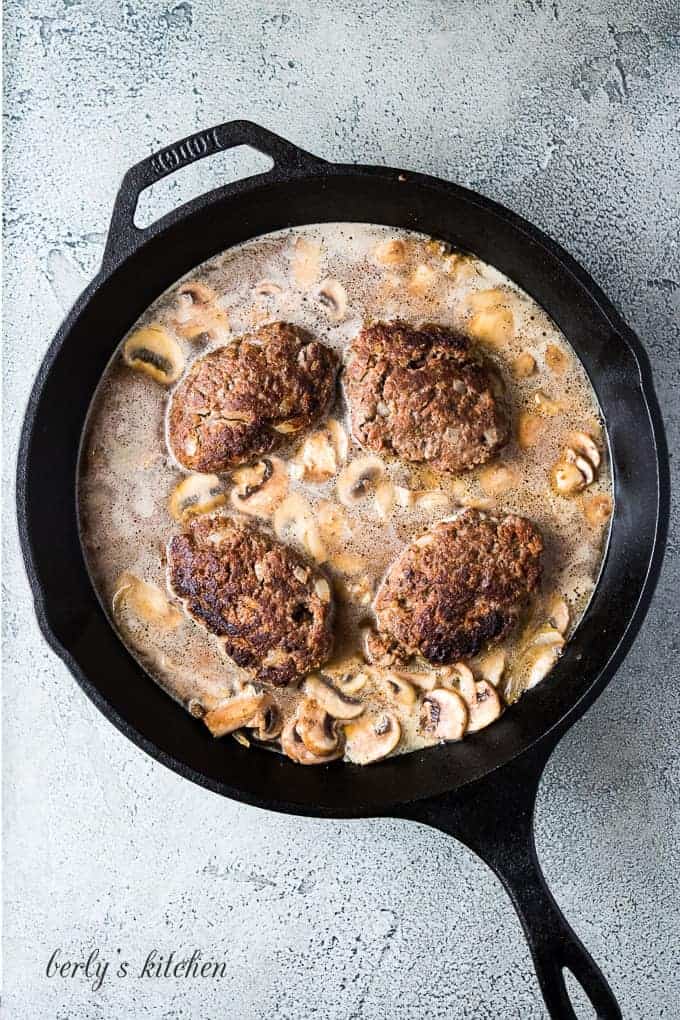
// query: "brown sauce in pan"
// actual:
[[330, 279]]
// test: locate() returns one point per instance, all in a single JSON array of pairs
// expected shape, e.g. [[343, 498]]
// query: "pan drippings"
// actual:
[[348, 511]]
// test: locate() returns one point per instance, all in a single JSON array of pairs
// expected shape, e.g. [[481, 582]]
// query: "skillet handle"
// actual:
[[124, 237], [494, 818]]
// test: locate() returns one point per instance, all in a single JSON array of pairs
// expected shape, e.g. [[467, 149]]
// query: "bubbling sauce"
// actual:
[[330, 279]]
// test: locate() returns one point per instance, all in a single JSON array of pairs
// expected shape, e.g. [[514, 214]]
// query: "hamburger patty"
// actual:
[[272, 610], [421, 395], [239, 402], [458, 587]]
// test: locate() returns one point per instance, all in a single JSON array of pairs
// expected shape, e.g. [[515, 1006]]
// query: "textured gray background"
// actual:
[[567, 112]]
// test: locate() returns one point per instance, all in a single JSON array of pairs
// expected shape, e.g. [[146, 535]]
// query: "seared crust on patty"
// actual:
[[272, 610], [458, 587], [239, 402], [421, 395]]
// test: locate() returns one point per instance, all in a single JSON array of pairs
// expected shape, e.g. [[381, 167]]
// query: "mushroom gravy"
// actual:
[[344, 508]]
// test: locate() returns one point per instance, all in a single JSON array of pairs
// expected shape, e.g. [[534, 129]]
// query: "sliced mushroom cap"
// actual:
[[498, 479], [484, 706], [540, 661], [556, 359], [584, 444], [492, 666], [333, 299], [422, 280], [322, 453], [443, 715], [198, 313], [306, 261], [598, 509], [337, 703], [294, 516], [398, 688], [233, 713], [558, 614], [267, 288], [492, 319], [548, 636], [371, 738], [391, 252], [524, 365], [152, 350], [317, 728], [566, 479], [267, 723], [294, 746], [196, 494], [146, 601], [582, 463], [529, 429], [260, 488], [359, 480], [547, 405]]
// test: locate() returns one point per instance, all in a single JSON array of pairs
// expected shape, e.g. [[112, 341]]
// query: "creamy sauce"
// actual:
[[127, 474]]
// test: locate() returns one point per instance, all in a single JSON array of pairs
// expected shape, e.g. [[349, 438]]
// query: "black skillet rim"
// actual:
[[653, 556]]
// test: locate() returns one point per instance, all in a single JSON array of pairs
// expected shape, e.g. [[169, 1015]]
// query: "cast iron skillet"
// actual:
[[483, 790]]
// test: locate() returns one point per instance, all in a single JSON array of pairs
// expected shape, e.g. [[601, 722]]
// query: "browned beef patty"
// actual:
[[272, 609], [239, 402], [458, 587], [421, 395]]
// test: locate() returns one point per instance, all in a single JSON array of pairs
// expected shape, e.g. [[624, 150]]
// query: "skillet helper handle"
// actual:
[[124, 237], [494, 818]]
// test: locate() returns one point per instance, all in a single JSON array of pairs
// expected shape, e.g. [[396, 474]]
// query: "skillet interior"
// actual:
[[68, 609]]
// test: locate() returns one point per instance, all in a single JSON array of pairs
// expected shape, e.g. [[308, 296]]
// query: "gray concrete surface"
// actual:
[[567, 112]]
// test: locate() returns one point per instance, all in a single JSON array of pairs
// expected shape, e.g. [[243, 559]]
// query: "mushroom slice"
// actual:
[[267, 288], [260, 488], [398, 688], [529, 429], [498, 479], [582, 463], [598, 509], [233, 713], [359, 479], [484, 705], [337, 703], [384, 497], [196, 494], [546, 405], [146, 601], [492, 666], [316, 728], [152, 350], [306, 261], [198, 313], [548, 636], [524, 365], [391, 252], [431, 500], [422, 280], [566, 479], [443, 715], [267, 722], [492, 318], [556, 359], [558, 614], [540, 661], [371, 738], [293, 745], [584, 444], [321, 453], [333, 299], [294, 516]]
